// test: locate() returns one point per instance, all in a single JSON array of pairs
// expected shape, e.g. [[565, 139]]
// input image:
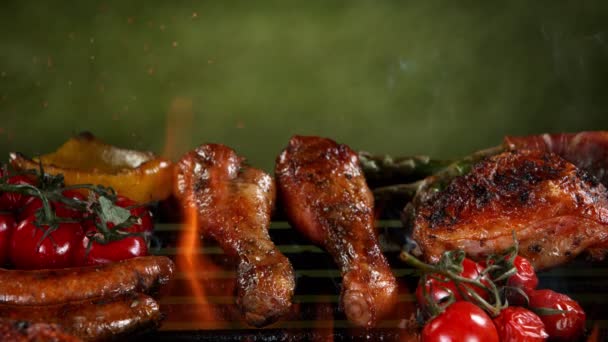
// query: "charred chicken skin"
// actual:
[[326, 198], [586, 150], [233, 203], [556, 210]]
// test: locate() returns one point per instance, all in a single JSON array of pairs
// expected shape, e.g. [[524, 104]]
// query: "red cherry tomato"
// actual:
[[567, 326], [61, 210], [7, 225], [138, 211], [517, 324], [128, 247], [55, 251], [11, 201], [525, 278], [461, 321], [438, 290]]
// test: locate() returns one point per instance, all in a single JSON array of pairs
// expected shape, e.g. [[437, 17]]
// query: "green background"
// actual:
[[403, 77]]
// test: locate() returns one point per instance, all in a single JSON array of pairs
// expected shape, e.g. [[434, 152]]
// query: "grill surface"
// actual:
[[316, 315]]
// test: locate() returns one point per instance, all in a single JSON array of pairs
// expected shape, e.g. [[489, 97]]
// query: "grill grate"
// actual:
[[316, 315]]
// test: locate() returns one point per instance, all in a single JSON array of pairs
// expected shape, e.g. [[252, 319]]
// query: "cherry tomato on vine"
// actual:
[[11, 201], [566, 326], [28, 251], [7, 225], [99, 253], [461, 321], [517, 324], [437, 290], [61, 210], [525, 278], [138, 211]]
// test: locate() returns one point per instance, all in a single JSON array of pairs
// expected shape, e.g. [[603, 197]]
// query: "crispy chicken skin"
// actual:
[[326, 198], [586, 150], [234, 203], [556, 210]]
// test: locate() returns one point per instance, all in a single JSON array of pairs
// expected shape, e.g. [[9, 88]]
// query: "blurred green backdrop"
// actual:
[[402, 77]]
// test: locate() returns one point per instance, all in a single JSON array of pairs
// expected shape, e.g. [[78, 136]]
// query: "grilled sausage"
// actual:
[[21, 331], [92, 320], [48, 287]]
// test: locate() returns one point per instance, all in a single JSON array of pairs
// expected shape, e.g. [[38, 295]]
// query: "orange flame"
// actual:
[[193, 299], [200, 285]]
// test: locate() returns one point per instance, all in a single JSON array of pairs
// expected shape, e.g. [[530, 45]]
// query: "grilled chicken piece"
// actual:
[[586, 150], [234, 203], [326, 198], [556, 210]]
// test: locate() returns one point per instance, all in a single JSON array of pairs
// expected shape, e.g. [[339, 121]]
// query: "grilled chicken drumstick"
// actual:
[[233, 203], [325, 197], [556, 210]]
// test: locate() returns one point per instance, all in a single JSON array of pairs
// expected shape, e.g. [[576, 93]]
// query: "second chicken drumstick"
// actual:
[[325, 197]]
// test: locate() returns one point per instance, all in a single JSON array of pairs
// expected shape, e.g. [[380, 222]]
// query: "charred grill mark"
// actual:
[[529, 171], [535, 248], [437, 217], [524, 196], [588, 178], [199, 185], [482, 195]]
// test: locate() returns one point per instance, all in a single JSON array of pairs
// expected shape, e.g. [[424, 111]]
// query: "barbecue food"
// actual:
[[23, 331], [233, 203], [556, 210], [587, 150], [325, 197], [92, 320], [47, 287], [83, 159]]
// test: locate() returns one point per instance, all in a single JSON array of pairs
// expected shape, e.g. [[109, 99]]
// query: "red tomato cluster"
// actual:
[[547, 314], [24, 245]]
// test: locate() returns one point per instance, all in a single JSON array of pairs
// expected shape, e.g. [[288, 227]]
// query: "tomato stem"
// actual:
[[444, 268]]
